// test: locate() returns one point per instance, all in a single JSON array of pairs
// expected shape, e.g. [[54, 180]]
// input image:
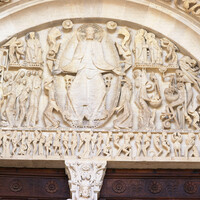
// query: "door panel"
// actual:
[[41, 184]]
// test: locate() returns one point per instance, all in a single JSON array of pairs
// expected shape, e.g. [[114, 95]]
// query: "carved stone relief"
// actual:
[[93, 76], [189, 6], [98, 90], [85, 178], [108, 145]]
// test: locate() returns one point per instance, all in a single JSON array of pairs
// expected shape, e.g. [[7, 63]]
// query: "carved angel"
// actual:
[[154, 49], [171, 57], [16, 50], [54, 47], [124, 48]]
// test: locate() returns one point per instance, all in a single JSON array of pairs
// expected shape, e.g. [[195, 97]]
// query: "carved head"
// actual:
[[150, 35], [149, 134], [28, 73], [7, 76], [189, 61], [136, 73], [85, 191], [40, 73], [191, 135], [22, 74], [90, 33], [140, 135], [34, 72], [142, 32], [152, 76], [32, 35], [24, 81], [164, 134], [179, 73]]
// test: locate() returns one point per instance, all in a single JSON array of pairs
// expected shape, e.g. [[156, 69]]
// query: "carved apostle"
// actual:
[[140, 47], [154, 49], [54, 47], [33, 49], [15, 92], [33, 110]]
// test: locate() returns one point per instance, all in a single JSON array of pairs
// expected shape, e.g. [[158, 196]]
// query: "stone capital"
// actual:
[[85, 178]]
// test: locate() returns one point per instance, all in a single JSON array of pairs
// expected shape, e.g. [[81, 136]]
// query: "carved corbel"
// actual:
[[85, 178]]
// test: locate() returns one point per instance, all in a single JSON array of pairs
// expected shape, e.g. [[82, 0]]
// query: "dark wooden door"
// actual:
[[40, 184]]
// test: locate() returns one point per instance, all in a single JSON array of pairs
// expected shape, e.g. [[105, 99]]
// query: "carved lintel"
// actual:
[[85, 178]]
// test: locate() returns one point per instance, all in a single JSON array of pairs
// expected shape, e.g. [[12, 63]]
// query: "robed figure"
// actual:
[[86, 97]]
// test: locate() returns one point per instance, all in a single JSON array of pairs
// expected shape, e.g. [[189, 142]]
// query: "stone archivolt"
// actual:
[[189, 6]]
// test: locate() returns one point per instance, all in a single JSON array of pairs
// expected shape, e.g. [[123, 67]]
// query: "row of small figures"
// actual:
[[87, 144]]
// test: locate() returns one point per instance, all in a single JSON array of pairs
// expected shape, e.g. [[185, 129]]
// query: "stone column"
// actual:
[[85, 178]]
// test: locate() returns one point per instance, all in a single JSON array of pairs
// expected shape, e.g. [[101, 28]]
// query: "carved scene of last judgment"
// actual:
[[108, 83], [92, 76]]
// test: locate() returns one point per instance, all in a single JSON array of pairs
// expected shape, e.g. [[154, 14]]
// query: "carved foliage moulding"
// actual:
[[191, 7]]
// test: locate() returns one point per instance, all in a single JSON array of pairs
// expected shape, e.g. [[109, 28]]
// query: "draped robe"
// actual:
[[87, 93]]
